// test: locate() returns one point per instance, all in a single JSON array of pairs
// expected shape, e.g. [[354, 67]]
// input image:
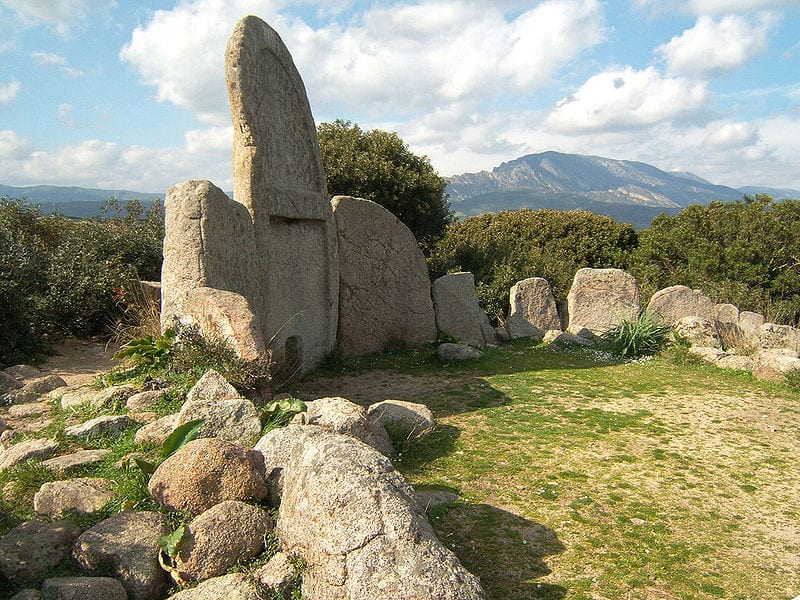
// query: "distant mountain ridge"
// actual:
[[628, 191]]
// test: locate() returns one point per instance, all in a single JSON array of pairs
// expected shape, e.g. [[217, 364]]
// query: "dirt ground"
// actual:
[[80, 362]]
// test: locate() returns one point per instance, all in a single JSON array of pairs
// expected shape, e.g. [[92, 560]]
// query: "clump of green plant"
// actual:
[[182, 435], [280, 413], [633, 339], [148, 351]]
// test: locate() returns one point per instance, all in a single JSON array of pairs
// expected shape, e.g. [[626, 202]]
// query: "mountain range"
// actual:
[[628, 191], [631, 192]]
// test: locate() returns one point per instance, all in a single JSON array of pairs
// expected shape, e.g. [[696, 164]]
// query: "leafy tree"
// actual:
[[503, 248], [746, 253], [378, 165]]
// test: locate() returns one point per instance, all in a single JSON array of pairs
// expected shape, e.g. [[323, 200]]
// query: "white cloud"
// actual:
[[9, 91], [626, 98], [65, 114], [60, 14], [12, 146], [716, 47], [708, 7], [49, 59], [402, 58], [210, 140], [732, 135], [181, 53]]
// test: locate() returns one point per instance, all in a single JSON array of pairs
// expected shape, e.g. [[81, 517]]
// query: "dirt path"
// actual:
[[80, 362]]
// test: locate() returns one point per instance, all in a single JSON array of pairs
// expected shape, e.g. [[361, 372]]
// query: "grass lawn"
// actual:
[[582, 478]]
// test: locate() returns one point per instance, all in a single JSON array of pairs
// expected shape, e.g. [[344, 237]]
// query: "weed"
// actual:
[[633, 339]]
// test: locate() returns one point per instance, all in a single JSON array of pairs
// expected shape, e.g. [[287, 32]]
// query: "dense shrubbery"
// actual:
[[500, 249], [379, 166], [68, 276], [746, 253]]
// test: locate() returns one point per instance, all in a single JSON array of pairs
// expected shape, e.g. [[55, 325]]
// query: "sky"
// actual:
[[132, 95]]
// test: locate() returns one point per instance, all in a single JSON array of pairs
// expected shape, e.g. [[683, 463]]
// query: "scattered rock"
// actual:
[[709, 355], [456, 352], [339, 415], [60, 464], [18, 453], [458, 313], [83, 495], [30, 550], [220, 537], [8, 383], [555, 338], [227, 415], [77, 396], [236, 586], [22, 372], [773, 336], [772, 365], [207, 471], [34, 409], [113, 396], [726, 313], [105, 425], [83, 588], [143, 401], [127, 545], [672, 303], [738, 363], [698, 332], [157, 431], [411, 420], [278, 574]]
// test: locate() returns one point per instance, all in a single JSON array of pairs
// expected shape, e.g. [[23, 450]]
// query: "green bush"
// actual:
[[61, 275], [746, 253], [501, 249]]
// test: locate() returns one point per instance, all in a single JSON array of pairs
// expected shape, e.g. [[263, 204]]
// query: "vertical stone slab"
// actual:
[[458, 312], [533, 309], [601, 299], [384, 287], [208, 242], [278, 177], [678, 301]]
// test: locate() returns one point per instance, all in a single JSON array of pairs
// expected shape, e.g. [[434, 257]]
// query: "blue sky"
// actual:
[[131, 95]]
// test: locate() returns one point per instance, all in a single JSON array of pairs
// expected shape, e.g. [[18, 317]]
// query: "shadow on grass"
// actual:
[[506, 551]]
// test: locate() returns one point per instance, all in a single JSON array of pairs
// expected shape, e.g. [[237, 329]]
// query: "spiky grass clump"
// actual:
[[634, 339]]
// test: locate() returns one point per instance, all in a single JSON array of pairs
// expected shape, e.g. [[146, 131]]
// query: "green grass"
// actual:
[[585, 477]]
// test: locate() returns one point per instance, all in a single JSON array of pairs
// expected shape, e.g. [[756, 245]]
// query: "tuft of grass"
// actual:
[[634, 339]]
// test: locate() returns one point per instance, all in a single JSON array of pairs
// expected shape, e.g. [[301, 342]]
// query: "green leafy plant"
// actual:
[[633, 339], [182, 435], [280, 412], [148, 350]]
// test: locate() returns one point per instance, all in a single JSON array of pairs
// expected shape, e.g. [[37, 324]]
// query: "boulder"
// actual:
[[18, 453], [384, 288], [448, 352], [33, 548], [601, 299], [113, 396], [726, 313], [698, 332], [220, 314], [23, 372], [708, 354], [227, 415], [773, 364], [75, 397], [458, 313], [368, 534], [207, 471], [82, 588], [533, 309], [99, 426], [223, 535], [83, 496], [127, 546], [278, 574], [411, 420], [672, 303], [339, 415], [236, 586], [738, 363], [8, 383], [773, 336], [750, 323]]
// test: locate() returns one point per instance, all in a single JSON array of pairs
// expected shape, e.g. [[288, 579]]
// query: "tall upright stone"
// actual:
[[601, 299], [282, 258], [533, 309], [384, 287]]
